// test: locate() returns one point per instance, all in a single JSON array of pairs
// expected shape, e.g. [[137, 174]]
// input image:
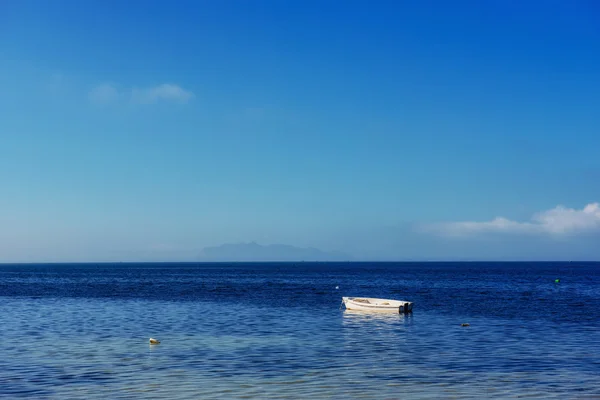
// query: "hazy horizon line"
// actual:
[[297, 262]]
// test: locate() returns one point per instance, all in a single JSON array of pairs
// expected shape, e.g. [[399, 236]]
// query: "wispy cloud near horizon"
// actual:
[[164, 92], [105, 93], [108, 93], [557, 221]]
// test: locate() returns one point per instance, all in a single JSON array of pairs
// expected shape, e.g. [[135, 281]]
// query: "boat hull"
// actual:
[[377, 305]]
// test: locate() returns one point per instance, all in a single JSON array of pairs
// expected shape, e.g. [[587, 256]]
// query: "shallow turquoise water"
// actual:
[[277, 331]]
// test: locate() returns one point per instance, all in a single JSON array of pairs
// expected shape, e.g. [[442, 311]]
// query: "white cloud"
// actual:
[[108, 93], [557, 221], [166, 92], [104, 94]]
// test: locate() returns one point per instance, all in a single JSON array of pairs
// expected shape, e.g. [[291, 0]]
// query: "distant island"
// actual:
[[275, 252]]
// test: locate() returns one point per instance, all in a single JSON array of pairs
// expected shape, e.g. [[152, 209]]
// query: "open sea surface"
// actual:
[[276, 331]]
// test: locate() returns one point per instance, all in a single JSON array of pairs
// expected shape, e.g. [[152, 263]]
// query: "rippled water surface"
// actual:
[[277, 331]]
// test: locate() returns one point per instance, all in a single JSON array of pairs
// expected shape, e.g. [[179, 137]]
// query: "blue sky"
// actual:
[[147, 130]]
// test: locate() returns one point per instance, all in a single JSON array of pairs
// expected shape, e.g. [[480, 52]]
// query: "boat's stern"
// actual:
[[406, 308]]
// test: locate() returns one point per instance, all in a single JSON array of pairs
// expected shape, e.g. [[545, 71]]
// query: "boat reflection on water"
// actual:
[[369, 330], [380, 316]]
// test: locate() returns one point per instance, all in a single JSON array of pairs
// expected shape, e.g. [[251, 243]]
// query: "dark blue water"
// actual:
[[277, 331]]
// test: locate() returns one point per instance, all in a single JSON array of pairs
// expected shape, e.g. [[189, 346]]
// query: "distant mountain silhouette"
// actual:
[[274, 252]]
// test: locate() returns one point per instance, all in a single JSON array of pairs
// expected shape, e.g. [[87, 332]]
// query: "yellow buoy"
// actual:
[[154, 341]]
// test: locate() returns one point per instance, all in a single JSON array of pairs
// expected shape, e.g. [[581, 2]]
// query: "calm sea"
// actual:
[[276, 331]]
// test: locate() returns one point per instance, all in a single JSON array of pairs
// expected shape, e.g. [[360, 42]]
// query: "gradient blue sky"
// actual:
[[146, 130]]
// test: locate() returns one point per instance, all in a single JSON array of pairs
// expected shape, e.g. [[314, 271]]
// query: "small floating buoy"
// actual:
[[465, 324], [154, 341], [556, 280], [337, 287]]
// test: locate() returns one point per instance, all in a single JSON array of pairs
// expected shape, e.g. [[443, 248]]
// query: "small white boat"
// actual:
[[378, 305]]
